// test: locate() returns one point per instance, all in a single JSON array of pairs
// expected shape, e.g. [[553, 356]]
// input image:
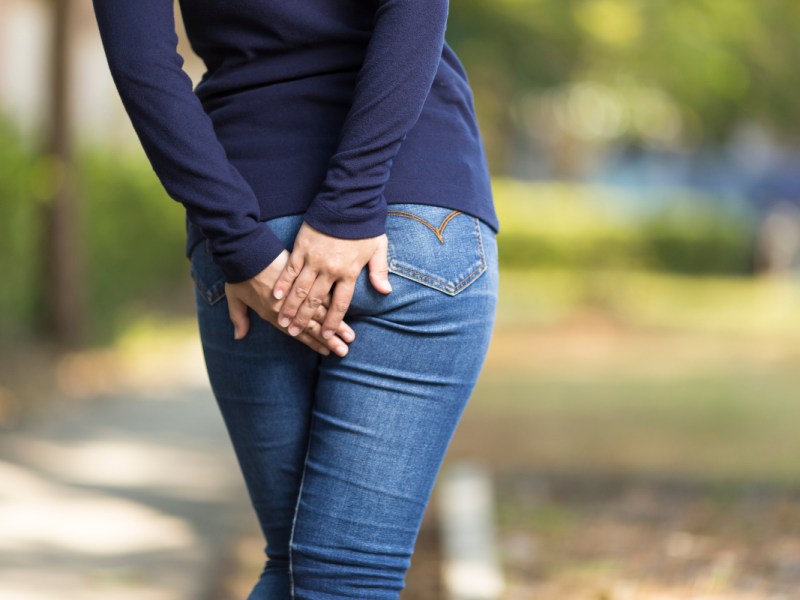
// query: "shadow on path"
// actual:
[[130, 496]]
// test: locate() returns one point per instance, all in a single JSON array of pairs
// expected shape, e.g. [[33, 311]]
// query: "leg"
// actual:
[[264, 385], [384, 414]]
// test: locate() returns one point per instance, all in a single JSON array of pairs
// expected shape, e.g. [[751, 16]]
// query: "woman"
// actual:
[[331, 166]]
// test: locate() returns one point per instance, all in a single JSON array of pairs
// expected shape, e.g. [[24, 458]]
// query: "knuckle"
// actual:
[[341, 306], [333, 264], [300, 292]]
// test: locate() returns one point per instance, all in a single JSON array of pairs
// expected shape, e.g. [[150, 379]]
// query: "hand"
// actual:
[[256, 293], [318, 263]]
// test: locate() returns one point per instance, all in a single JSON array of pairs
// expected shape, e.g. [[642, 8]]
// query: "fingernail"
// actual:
[[278, 294], [348, 336], [294, 330], [284, 321], [327, 333], [342, 350], [388, 285]]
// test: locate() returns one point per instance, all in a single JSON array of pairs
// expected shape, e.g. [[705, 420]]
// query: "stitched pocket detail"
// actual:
[[438, 231], [435, 246], [208, 277]]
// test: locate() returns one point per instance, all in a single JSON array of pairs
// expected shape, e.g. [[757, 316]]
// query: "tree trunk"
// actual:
[[62, 285]]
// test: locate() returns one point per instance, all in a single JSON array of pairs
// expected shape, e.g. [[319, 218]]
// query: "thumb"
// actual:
[[237, 310], [379, 268]]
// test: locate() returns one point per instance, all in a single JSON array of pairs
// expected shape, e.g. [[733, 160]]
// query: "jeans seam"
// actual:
[[296, 509]]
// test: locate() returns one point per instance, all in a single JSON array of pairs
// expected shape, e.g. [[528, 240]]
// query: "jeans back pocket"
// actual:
[[208, 277], [436, 246]]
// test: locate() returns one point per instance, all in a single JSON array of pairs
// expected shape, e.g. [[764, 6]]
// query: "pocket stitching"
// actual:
[[438, 231]]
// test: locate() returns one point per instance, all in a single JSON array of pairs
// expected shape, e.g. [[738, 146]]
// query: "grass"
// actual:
[[635, 372], [735, 425], [643, 299]]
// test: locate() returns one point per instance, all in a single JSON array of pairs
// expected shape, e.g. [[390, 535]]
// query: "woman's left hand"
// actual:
[[319, 262]]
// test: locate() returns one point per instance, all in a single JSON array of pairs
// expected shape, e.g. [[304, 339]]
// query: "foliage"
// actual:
[[572, 226], [19, 231], [719, 63], [132, 235]]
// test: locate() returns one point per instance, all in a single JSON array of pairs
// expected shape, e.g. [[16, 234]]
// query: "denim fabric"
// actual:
[[340, 454]]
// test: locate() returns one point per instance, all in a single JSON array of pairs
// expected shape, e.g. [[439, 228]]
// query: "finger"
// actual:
[[237, 310], [313, 343], [296, 296], [335, 343], [288, 275], [340, 302], [379, 267], [321, 288], [345, 332]]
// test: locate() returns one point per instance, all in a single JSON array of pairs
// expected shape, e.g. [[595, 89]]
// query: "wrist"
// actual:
[[353, 225], [270, 273]]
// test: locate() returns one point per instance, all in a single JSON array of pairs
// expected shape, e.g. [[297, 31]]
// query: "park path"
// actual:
[[134, 494]]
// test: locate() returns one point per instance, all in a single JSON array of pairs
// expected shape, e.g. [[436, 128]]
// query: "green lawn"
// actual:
[[627, 372]]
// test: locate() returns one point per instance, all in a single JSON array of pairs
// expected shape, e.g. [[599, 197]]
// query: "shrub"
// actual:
[[575, 226]]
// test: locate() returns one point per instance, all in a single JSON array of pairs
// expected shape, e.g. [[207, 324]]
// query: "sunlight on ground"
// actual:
[[37, 514], [126, 463]]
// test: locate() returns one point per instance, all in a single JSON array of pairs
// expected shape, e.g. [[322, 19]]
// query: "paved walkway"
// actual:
[[132, 496]]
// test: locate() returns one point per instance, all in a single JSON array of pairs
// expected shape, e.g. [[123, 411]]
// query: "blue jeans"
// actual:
[[340, 454]]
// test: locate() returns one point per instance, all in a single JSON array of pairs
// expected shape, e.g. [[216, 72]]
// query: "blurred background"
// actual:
[[636, 415]]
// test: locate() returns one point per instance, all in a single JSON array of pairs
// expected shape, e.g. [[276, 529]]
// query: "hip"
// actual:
[[442, 266]]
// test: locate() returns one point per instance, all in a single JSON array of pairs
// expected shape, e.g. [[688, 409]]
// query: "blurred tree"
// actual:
[[62, 285], [719, 64]]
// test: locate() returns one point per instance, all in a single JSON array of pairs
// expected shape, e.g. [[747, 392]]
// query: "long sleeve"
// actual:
[[178, 137], [393, 83]]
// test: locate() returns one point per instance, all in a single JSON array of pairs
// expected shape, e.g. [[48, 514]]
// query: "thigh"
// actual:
[[264, 385], [385, 413]]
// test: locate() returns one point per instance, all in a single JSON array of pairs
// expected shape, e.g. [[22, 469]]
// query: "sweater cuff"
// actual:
[[350, 226], [252, 254]]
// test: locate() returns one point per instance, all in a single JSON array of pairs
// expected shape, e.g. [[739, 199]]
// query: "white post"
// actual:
[[466, 510]]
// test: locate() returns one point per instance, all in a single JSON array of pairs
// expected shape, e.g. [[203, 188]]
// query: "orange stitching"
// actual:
[[438, 231]]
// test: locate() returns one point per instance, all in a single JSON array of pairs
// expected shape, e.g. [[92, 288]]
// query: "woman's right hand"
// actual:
[[256, 293]]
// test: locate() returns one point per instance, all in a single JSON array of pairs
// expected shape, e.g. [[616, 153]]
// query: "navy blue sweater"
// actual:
[[331, 108]]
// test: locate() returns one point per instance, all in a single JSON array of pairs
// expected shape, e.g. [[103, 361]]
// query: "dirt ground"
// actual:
[[601, 538]]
